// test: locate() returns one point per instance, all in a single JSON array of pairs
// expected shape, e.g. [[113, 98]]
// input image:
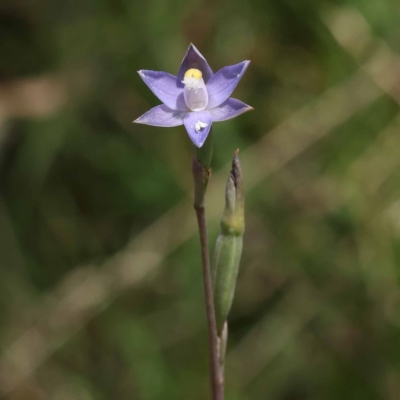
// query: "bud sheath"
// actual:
[[228, 249]]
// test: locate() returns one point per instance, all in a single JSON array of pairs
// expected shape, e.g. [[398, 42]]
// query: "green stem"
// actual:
[[201, 172], [216, 377]]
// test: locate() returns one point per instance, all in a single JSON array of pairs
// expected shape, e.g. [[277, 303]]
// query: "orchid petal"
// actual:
[[231, 108], [198, 125], [162, 116], [165, 87], [194, 59], [222, 84]]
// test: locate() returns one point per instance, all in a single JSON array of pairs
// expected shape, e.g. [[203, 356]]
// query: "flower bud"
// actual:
[[228, 249]]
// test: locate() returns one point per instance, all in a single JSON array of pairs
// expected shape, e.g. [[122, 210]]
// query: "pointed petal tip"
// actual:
[[194, 59], [138, 121], [247, 109], [197, 142], [246, 63]]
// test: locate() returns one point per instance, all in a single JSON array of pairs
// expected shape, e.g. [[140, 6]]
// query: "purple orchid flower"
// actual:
[[196, 97]]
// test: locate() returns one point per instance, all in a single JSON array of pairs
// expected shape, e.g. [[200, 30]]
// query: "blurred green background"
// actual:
[[100, 279]]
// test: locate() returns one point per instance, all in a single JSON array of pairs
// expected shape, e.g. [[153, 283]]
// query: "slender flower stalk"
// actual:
[[201, 172]]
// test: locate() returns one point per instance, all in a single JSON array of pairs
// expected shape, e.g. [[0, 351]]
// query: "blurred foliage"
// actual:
[[316, 311]]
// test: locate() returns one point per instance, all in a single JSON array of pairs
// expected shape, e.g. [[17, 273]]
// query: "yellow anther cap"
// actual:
[[193, 73]]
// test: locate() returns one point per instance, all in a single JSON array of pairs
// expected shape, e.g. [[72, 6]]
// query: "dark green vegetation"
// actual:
[[100, 278]]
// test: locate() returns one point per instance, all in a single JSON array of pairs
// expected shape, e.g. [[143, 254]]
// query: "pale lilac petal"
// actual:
[[191, 119], [222, 84], [194, 59], [162, 116], [165, 87], [231, 108]]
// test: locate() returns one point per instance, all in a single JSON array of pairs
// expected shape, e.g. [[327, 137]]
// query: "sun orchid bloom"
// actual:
[[196, 97]]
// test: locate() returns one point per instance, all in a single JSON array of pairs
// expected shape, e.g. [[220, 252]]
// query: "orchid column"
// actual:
[[196, 98]]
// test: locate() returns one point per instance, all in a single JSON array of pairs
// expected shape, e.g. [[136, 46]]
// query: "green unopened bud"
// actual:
[[228, 249]]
